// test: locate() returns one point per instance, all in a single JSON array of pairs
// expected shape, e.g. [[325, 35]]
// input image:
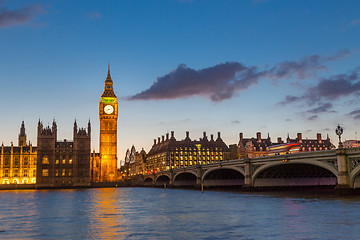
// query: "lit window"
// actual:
[[63, 161], [63, 172], [45, 172], [69, 172], [70, 161], [45, 160], [57, 172], [57, 161], [26, 161]]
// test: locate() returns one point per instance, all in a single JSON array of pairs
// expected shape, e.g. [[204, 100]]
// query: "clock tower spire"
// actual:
[[108, 89], [108, 114]]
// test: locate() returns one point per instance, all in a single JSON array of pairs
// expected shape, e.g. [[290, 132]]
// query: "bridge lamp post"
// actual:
[[339, 130]]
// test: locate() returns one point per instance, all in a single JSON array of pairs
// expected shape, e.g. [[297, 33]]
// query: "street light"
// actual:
[[339, 130]]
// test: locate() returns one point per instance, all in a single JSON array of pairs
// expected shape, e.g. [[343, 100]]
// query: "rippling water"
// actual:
[[146, 213]]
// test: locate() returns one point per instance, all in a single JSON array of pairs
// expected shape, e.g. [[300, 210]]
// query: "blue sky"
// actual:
[[276, 67]]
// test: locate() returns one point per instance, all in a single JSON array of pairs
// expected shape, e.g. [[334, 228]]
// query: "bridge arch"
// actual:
[[148, 180], [223, 176], [355, 177], [162, 179], [295, 173], [185, 179]]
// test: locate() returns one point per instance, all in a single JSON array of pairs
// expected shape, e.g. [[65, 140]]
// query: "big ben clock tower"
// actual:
[[108, 114]]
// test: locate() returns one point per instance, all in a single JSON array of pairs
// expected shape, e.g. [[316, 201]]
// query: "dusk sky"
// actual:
[[274, 67]]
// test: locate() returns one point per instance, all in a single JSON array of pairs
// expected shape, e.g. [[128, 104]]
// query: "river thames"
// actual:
[[148, 213]]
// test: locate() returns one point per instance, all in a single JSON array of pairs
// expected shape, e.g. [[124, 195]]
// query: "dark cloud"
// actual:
[[335, 87], [19, 16], [323, 108], [339, 55], [305, 68], [355, 114], [313, 117], [332, 88], [225, 80], [235, 122], [288, 120], [218, 83], [301, 69], [290, 99]]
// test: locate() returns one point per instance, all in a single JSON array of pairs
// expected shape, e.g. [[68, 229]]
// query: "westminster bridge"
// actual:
[[338, 167]]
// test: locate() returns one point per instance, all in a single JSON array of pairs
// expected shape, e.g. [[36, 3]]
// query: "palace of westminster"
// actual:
[[54, 163]]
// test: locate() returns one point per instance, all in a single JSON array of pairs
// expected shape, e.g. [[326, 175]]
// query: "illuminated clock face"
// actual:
[[108, 109]]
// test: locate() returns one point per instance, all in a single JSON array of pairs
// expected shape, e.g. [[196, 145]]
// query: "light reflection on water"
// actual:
[[145, 213]]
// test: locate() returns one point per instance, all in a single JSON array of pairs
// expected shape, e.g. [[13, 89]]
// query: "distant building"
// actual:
[[351, 143], [95, 167], [18, 164], [310, 145], [63, 163], [134, 163], [169, 153], [259, 147], [140, 162], [253, 147], [130, 166]]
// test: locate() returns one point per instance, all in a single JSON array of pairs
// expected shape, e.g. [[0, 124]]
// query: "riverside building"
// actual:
[[63, 163], [18, 163], [259, 147], [168, 153]]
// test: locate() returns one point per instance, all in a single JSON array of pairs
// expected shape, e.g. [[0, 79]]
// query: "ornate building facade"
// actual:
[[310, 145], [134, 162], [253, 147], [105, 164], [259, 147], [168, 153], [63, 163], [18, 163]]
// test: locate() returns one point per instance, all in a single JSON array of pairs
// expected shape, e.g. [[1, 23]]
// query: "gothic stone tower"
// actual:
[[22, 135], [46, 141], [108, 114], [63, 163]]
